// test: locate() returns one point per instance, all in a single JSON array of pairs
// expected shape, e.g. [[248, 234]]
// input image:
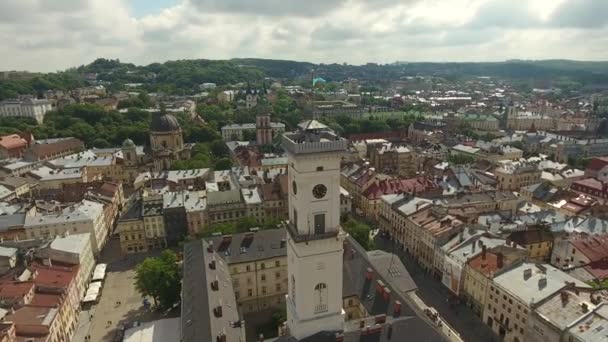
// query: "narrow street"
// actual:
[[434, 294]]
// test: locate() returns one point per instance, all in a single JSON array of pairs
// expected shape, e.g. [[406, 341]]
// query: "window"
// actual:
[[277, 263], [277, 275], [278, 287], [263, 290], [295, 219], [262, 266], [248, 268], [263, 277], [319, 168], [320, 298], [249, 292]]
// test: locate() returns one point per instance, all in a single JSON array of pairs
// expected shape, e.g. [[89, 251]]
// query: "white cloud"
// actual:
[[49, 35]]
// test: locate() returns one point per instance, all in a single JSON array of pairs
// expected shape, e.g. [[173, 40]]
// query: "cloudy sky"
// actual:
[[48, 35]]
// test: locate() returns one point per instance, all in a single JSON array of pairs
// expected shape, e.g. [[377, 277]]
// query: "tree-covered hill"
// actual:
[[184, 76]]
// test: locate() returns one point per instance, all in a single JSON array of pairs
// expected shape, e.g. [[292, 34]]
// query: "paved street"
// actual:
[[434, 294], [103, 320]]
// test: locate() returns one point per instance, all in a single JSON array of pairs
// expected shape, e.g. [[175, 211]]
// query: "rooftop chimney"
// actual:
[[527, 273], [500, 260], [542, 282], [483, 252], [210, 247], [584, 307], [397, 309]]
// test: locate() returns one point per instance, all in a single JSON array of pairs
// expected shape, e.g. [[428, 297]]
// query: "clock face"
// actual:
[[294, 187], [319, 191]]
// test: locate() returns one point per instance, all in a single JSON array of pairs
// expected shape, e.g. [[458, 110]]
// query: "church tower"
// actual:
[[263, 130], [314, 238]]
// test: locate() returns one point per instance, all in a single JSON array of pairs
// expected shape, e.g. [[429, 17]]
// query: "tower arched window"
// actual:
[[320, 298]]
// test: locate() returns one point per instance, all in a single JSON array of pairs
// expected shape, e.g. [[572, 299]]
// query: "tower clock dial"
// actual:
[[319, 191]]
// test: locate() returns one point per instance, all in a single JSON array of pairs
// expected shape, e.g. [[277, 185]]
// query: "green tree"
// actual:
[[223, 164], [219, 149], [160, 279], [360, 232]]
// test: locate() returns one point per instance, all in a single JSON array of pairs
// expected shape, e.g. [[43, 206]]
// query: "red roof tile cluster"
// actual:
[[597, 163], [591, 184], [396, 185], [42, 151], [47, 300], [15, 289], [486, 265], [54, 276], [12, 141], [594, 247]]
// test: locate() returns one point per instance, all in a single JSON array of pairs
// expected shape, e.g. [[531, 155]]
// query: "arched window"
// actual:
[[320, 298]]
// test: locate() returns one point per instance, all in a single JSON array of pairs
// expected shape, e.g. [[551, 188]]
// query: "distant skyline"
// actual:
[[50, 35]]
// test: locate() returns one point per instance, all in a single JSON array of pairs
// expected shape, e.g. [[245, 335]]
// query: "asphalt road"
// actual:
[[434, 294]]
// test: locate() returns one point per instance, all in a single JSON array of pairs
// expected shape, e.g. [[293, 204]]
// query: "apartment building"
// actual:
[[131, 230], [473, 204], [50, 220], [480, 269], [26, 107], [393, 159], [258, 267], [74, 249], [238, 132], [538, 241], [512, 295], [420, 186], [571, 314], [154, 223], [514, 176]]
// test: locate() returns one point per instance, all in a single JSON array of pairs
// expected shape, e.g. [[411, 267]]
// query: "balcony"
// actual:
[[293, 232], [307, 142]]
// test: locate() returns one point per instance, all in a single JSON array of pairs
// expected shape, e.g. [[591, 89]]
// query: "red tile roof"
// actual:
[[54, 276], [42, 151], [15, 289], [394, 186], [12, 141], [597, 163], [594, 247], [590, 183], [487, 265], [47, 300]]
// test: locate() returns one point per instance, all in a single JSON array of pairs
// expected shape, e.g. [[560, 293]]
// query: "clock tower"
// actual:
[[314, 238]]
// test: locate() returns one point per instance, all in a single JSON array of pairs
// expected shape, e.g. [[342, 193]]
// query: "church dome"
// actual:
[[164, 123], [128, 143]]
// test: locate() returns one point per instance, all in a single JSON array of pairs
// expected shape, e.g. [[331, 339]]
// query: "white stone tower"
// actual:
[[314, 239]]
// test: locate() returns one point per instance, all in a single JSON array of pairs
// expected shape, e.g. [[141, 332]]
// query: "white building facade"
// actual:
[[30, 108]]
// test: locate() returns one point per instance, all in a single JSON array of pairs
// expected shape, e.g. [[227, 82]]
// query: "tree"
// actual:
[[461, 159], [360, 232], [160, 279], [223, 164], [219, 149]]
